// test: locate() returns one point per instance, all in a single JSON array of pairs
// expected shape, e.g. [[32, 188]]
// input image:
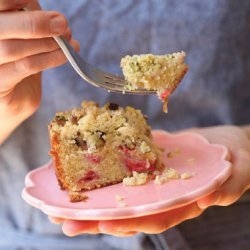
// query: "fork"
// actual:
[[95, 76]]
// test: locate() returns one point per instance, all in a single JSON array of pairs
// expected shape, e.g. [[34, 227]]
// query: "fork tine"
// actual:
[[95, 76], [120, 89], [116, 82], [114, 76]]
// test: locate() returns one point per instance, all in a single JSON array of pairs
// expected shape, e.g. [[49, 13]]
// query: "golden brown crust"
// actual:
[[57, 164], [77, 196], [180, 77], [178, 80], [94, 185]]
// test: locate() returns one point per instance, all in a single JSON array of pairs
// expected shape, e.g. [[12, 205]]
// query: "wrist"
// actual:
[[6, 128], [8, 124]]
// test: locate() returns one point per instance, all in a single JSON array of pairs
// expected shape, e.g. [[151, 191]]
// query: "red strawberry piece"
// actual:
[[127, 151], [93, 158], [138, 165], [89, 176], [164, 95]]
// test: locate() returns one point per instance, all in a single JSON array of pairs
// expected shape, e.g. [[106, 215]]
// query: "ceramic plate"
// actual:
[[190, 153]]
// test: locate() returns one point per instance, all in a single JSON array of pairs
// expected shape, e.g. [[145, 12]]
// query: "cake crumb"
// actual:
[[173, 153], [172, 174], [120, 200], [119, 197], [122, 204], [170, 155], [167, 174], [177, 151], [77, 196], [186, 175], [136, 180], [191, 161]]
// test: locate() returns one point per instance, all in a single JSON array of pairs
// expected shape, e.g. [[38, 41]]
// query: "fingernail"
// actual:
[[58, 24]]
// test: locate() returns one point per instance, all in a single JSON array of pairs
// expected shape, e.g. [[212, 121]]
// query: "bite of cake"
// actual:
[[162, 73], [96, 146]]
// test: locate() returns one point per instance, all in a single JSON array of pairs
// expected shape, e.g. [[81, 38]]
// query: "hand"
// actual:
[[235, 139], [26, 48]]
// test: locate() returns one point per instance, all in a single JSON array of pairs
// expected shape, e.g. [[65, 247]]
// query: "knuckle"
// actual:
[[25, 65], [5, 50], [36, 22], [31, 24]]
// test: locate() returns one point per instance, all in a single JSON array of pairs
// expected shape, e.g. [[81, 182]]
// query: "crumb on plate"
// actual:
[[119, 197], [186, 175], [167, 174], [191, 161], [136, 180], [77, 196]]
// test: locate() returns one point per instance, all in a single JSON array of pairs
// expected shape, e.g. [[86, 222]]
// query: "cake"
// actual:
[[94, 146], [161, 73]]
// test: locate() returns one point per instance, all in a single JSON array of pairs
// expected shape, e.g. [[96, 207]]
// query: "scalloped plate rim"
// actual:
[[131, 212]]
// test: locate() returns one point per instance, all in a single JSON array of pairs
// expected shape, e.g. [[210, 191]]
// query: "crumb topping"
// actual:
[[154, 72], [136, 180], [144, 147], [90, 128]]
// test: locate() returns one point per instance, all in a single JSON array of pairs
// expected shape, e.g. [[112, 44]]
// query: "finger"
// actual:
[[56, 220], [31, 24], [151, 224], [231, 190], [234, 187], [15, 49], [123, 234], [239, 181], [73, 228], [12, 73], [12, 4], [209, 200]]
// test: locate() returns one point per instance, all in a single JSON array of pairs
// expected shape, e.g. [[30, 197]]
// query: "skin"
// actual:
[[26, 49]]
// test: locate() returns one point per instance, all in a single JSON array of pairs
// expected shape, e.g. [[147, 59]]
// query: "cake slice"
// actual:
[[162, 73], [94, 147]]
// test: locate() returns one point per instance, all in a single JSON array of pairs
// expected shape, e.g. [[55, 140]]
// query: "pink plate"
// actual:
[[193, 154]]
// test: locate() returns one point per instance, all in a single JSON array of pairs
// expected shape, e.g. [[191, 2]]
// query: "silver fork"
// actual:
[[95, 76]]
